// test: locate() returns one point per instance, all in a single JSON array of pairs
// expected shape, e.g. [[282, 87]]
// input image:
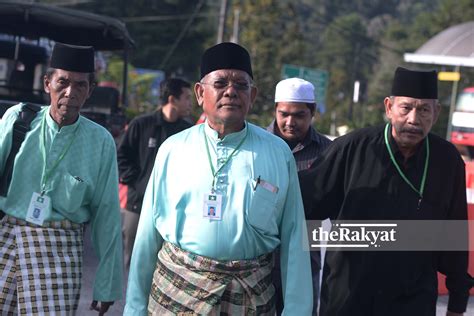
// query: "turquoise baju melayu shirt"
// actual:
[[83, 187], [255, 220]]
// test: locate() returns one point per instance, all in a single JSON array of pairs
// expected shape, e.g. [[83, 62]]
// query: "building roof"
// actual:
[[35, 20], [453, 46]]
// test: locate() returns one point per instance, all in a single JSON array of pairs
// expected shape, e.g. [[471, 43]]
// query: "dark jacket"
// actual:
[[137, 152], [356, 180]]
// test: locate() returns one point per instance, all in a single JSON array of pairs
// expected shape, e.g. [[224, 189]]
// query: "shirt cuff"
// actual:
[[457, 303]]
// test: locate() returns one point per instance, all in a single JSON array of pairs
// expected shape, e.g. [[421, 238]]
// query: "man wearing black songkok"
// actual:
[[378, 173], [189, 261], [62, 176]]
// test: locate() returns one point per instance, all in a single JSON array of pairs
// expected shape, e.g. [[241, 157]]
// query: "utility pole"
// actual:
[[235, 30], [222, 19], [354, 76], [452, 105]]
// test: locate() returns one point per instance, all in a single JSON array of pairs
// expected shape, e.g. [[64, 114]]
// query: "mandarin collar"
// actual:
[[65, 129], [229, 138]]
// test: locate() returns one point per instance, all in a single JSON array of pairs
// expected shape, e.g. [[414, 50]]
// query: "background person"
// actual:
[[295, 106], [138, 148]]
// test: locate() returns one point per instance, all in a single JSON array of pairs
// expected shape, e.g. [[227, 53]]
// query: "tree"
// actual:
[[348, 56], [272, 31], [414, 24], [352, 40], [154, 38]]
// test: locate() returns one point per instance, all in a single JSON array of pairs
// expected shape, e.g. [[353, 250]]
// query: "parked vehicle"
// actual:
[[27, 34]]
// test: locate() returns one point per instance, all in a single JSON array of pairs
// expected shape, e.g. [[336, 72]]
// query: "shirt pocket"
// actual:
[[69, 193], [261, 214]]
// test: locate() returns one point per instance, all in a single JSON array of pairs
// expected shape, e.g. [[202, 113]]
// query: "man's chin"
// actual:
[[231, 116], [291, 135]]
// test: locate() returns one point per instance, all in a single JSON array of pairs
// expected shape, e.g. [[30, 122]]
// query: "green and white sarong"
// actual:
[[188, 284]]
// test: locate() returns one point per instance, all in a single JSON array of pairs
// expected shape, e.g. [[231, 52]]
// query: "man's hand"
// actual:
[[448, 313], [103, 308]]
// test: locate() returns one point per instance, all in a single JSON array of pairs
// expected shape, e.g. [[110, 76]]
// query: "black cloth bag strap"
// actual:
[[20, 128]]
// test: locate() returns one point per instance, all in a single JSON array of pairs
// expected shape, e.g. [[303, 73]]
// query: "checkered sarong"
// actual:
[[188, 284], [40, 267]]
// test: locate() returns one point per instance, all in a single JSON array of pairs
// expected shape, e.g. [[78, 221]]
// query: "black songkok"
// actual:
[[226, 56], [73, 58], [415, 84]]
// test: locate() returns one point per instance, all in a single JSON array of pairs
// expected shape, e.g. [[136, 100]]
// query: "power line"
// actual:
[[181, 35], [324, 21], [67, 3], [158, 18], [357, 34]]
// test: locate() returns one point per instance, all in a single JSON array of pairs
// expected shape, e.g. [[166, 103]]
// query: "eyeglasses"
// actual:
[[221, 84]]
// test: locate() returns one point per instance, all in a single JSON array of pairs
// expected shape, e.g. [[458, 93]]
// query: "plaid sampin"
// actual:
[[40, 267], [189, 284]]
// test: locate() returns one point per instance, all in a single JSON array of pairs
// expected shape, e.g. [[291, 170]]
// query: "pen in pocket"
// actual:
[[256, 183], [78, 179]]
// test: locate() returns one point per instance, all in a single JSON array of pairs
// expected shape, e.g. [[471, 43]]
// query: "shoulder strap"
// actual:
[[20, 128]]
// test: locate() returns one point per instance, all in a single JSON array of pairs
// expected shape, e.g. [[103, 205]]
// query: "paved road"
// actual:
[[90, 264], [88, 273]]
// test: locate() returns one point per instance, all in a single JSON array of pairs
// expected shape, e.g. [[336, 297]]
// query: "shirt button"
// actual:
[[221, 180]]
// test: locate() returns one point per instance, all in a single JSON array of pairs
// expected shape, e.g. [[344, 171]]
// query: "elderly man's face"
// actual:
[[68, 91], [226, 97], [412, 119]]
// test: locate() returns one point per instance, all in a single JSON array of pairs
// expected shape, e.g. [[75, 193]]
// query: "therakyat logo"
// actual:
[[353, 235], [389, 235]]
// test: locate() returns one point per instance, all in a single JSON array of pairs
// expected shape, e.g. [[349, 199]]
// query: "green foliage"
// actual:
[[139, 85], [154, 38], [273, 33], [353, 40]]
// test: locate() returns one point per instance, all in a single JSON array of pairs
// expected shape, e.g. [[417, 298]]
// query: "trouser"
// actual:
[[129, 231], [315, 257], [40, 267]]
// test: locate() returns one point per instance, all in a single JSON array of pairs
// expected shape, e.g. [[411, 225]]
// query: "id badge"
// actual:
[[38, 209], [212, 206]]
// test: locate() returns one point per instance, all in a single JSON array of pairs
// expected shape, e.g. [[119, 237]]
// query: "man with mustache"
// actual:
[[295, 106], [399, 171], [64, 176], [186, 262]]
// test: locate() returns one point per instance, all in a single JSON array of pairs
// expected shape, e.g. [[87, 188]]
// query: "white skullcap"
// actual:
[[294, 90]]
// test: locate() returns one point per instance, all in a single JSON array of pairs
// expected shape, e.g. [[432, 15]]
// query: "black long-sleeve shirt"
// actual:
[[137, 151], [356, 180]]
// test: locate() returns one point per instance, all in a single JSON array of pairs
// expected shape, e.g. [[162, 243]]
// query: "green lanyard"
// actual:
[[47, 175], [215, 173], [425, 170]]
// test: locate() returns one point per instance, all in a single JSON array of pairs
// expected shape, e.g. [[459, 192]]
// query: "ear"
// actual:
[[199, 92], [171, 99], [253, 95], [388, 107], [91, 89], [313, 110], [437, 109], [46, 83]]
